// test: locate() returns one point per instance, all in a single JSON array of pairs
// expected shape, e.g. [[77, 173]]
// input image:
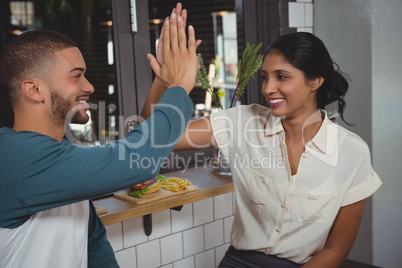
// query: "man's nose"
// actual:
[[89, 88]]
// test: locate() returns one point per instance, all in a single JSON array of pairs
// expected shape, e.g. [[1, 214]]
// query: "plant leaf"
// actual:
[[249, 64], [202, 77]]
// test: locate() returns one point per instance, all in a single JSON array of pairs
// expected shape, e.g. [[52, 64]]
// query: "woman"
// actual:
[[300, 180]]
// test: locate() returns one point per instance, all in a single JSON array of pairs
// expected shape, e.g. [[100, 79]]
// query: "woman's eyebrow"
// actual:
[[281, 71], [277, 71]]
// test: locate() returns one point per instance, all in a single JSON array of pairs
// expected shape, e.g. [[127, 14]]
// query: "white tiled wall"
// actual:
[[195, 237], [301, 15]]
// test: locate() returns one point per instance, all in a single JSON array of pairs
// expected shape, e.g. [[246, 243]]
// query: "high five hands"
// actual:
[[176, 63]]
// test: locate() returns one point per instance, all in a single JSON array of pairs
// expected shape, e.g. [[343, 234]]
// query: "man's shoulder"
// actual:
[[7, 133], [24, 140]]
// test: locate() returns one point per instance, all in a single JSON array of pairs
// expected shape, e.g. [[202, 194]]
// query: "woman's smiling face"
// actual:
[[289, 93]]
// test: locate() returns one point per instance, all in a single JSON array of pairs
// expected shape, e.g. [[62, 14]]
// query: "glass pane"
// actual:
[[89, 24], [225, 35], [216, 23]]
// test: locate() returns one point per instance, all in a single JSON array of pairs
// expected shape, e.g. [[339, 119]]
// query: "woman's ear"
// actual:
[[316, 83], [31, 89]]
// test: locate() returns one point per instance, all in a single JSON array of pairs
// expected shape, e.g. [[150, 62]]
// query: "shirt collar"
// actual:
[[273, 125], [325, 140]]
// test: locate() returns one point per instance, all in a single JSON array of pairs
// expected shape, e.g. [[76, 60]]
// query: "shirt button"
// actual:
[[278, 230], [268, 250], [283, 205]]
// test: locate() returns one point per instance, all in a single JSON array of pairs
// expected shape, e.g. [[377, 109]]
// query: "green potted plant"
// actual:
[[248, 65]]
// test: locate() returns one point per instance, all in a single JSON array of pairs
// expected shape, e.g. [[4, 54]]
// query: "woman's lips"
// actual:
[[275, 102]]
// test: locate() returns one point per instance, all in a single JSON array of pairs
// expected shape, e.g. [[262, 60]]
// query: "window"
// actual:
[[22, 13], [218, 25]]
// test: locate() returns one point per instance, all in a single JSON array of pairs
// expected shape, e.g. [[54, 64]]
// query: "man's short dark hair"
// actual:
[[29, 55]]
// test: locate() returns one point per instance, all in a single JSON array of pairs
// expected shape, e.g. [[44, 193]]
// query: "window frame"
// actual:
[[133, 73]]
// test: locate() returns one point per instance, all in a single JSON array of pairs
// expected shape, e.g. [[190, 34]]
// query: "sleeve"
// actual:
[[365, 180], [100, 252], [363, 190], [222, 126], [39, 173]]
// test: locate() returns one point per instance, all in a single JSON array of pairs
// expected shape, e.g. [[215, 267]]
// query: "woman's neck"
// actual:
[[302, 129]]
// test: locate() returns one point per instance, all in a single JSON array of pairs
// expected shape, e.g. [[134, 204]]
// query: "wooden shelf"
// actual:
[[209, 184]]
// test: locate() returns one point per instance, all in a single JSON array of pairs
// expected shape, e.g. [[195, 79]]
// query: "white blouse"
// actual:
[[280, 214]]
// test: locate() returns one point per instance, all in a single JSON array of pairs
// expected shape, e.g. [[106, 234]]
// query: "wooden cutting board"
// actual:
[[100, 210], [161, 194]]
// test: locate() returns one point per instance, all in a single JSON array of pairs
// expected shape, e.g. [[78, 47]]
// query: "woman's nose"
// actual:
[[268, 87]]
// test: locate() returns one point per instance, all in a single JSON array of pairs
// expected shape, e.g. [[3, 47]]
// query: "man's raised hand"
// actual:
[[177, 63]]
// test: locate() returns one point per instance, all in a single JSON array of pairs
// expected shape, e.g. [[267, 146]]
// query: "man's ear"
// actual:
[[31, 89], [316, 83]]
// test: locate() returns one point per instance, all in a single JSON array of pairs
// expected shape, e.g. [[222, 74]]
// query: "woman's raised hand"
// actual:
[[176, 62]]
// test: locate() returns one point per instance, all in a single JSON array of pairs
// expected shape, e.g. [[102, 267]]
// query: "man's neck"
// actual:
[[43, 126]]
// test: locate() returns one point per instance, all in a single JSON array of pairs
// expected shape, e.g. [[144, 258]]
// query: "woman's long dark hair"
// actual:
[[308, 53]]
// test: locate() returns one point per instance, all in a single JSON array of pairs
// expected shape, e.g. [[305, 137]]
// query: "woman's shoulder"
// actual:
[[249, 109], [258, 108], [254, 107], [352, 140]]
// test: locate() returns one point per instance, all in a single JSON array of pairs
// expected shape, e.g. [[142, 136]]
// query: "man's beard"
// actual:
[[62, 108]]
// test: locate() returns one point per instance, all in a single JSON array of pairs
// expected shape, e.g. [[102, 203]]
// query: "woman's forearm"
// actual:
[[341, 237], [327, 258], [155, 93]]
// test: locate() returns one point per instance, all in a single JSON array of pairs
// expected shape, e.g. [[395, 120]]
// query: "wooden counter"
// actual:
[[209, 184]]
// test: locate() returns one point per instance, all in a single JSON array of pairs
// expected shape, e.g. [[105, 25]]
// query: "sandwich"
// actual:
[[147, 187]]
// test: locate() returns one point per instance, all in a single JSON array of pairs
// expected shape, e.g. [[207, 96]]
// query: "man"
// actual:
[[46, 219]]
